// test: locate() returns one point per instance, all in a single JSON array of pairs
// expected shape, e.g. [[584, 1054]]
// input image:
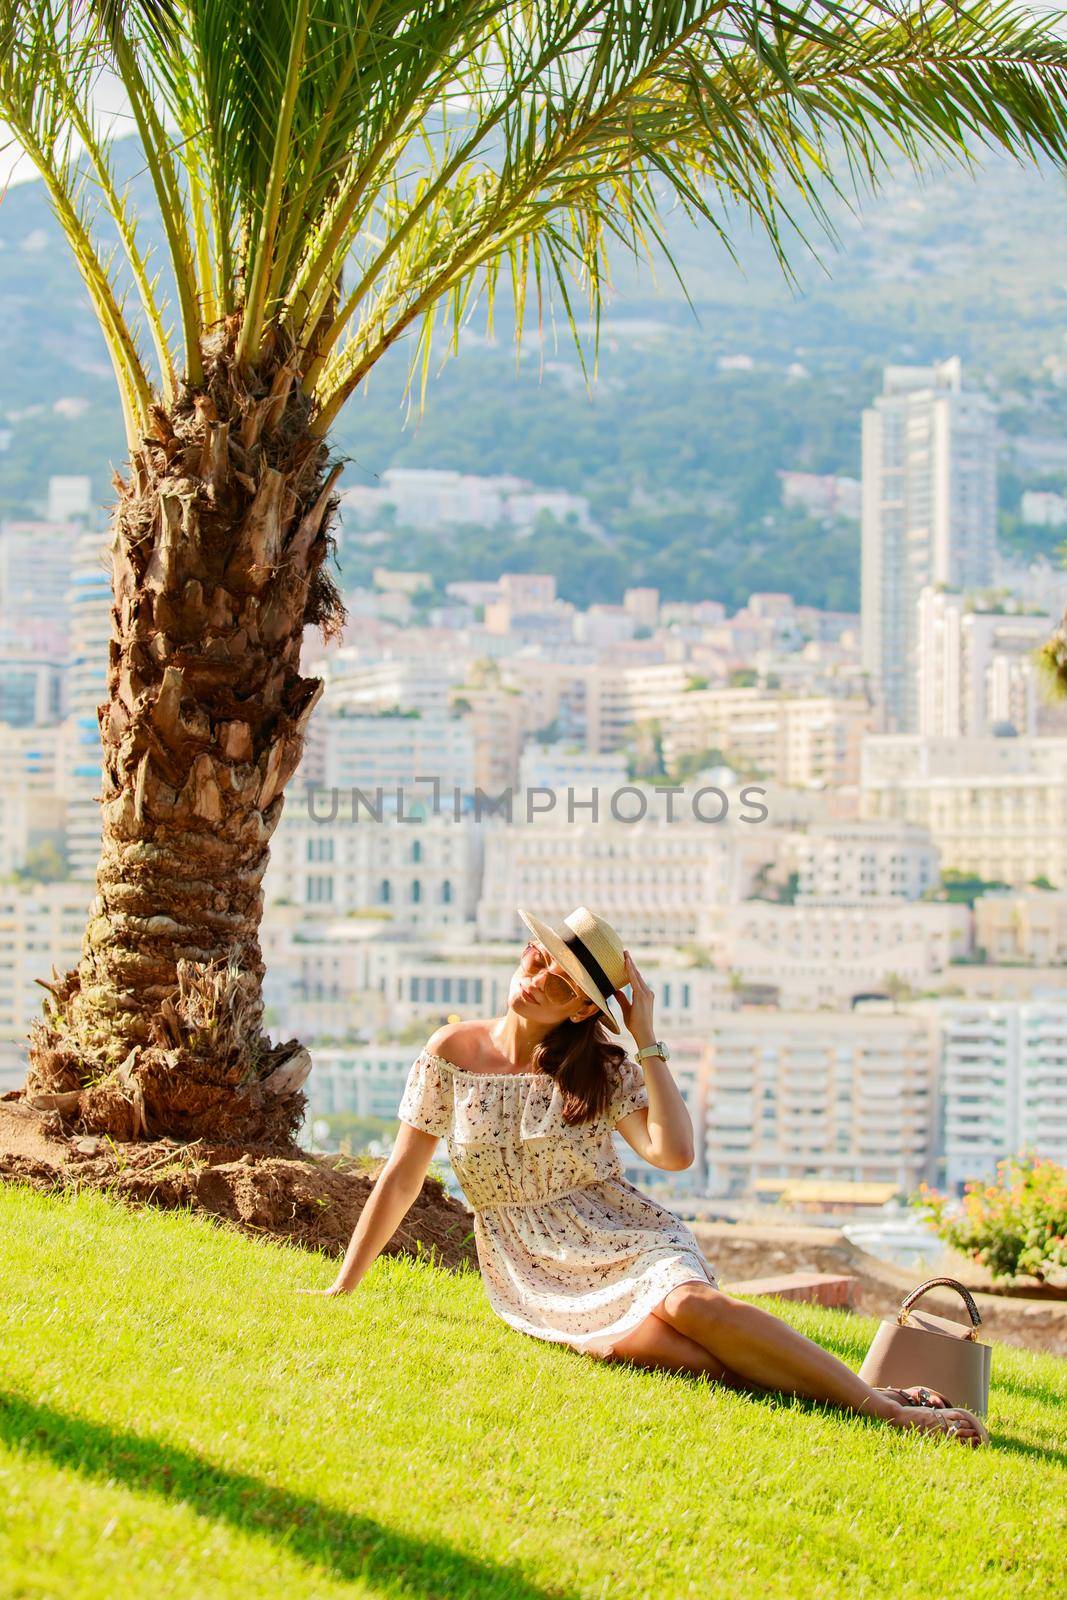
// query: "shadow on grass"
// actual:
[[1012, 1388], [1007, 1442], [1022, 1447], [341, 1543]]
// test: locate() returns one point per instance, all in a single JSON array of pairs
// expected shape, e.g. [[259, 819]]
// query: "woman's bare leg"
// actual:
[[655, 1343], [766, 1351]]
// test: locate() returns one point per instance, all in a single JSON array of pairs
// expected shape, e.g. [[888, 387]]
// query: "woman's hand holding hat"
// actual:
[[637, 1010]]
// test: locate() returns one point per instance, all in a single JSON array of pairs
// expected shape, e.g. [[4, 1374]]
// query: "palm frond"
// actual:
[[47, 76], [345, 174], [751, 113]]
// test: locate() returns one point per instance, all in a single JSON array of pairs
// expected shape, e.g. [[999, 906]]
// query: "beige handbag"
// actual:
[[919, 1348]]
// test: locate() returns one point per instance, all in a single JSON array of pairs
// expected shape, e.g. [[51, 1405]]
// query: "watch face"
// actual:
[[666, 1052]]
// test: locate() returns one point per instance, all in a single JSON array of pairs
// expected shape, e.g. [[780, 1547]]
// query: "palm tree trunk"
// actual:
[[219, 543]]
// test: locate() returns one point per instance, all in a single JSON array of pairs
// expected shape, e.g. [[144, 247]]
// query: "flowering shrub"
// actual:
[[1014, 1226]]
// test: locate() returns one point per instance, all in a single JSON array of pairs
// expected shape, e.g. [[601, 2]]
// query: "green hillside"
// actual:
[[678, 456], [175, 1419]]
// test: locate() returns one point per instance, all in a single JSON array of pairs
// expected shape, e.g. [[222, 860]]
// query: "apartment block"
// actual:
[[975, 668], [822, 955], [996, 807], [422, 873], [805, 741], [379, 752], [1004, 1072], [41, 926], [662, 882], [864, 862], [1027, 925], [798, 1095], [365, 1080]]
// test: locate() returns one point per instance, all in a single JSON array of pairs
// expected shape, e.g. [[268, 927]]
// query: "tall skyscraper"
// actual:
[[90, 631], [929, 516]]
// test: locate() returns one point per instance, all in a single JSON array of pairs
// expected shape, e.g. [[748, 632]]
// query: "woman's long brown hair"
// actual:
[[582, 1057]]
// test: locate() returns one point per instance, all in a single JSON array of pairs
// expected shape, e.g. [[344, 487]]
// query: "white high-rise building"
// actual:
[[69, 497], [929, 515], [1004, 1083], [89, 600], [975, 668], [35, 560]]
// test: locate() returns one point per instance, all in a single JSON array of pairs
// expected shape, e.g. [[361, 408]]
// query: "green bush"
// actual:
[[1016, 1226]]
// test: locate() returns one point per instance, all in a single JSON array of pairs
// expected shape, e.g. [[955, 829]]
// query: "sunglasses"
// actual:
[[558, 990]]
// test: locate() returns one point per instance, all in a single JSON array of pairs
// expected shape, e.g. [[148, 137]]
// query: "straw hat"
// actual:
[[589, 950]]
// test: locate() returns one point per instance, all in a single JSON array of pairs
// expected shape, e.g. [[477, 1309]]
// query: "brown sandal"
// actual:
[[918, 1395]]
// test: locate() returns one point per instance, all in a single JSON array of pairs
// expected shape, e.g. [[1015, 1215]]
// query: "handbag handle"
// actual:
[[949, 1283]]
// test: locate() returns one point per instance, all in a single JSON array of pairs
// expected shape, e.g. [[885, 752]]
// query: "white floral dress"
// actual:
[[569, 1250]]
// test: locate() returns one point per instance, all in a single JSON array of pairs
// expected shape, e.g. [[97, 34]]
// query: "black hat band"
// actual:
[[589, 961]]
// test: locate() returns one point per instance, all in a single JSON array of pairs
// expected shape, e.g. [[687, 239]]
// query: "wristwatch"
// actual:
[[657, 1049]]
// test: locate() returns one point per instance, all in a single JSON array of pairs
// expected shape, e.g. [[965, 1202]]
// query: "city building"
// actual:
[[1022, 925], [31, 689], [1004, 1083], [89, 605], [994, 807], [383, 752], [821, 494], [70, 496], [662, 882], [35, 563], [331, 855], [363, 1080], [975, 668], [813, 1095], [41, 926], [929, 515], [32, 759], [860, 863], [561, 767], [821, 955], [803, 741]]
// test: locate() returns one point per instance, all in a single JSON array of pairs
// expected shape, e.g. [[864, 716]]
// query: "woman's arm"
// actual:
[[662, 1131], [395, 1191]]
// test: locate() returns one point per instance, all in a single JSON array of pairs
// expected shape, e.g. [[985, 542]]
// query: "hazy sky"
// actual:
[[112, 110]]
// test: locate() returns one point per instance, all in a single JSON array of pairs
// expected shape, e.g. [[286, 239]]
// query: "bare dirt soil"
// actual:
[[274, 1193]]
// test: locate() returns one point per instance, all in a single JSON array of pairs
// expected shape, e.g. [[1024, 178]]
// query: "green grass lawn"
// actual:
[[175, 1421]]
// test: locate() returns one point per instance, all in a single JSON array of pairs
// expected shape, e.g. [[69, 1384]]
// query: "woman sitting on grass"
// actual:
[[569, 1250]]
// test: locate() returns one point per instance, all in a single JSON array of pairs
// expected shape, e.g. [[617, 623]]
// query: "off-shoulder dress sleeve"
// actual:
[[427, 1099], [630, 1091]]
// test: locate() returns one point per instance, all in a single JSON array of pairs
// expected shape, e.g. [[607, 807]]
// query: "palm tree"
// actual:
[[330, 179]]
